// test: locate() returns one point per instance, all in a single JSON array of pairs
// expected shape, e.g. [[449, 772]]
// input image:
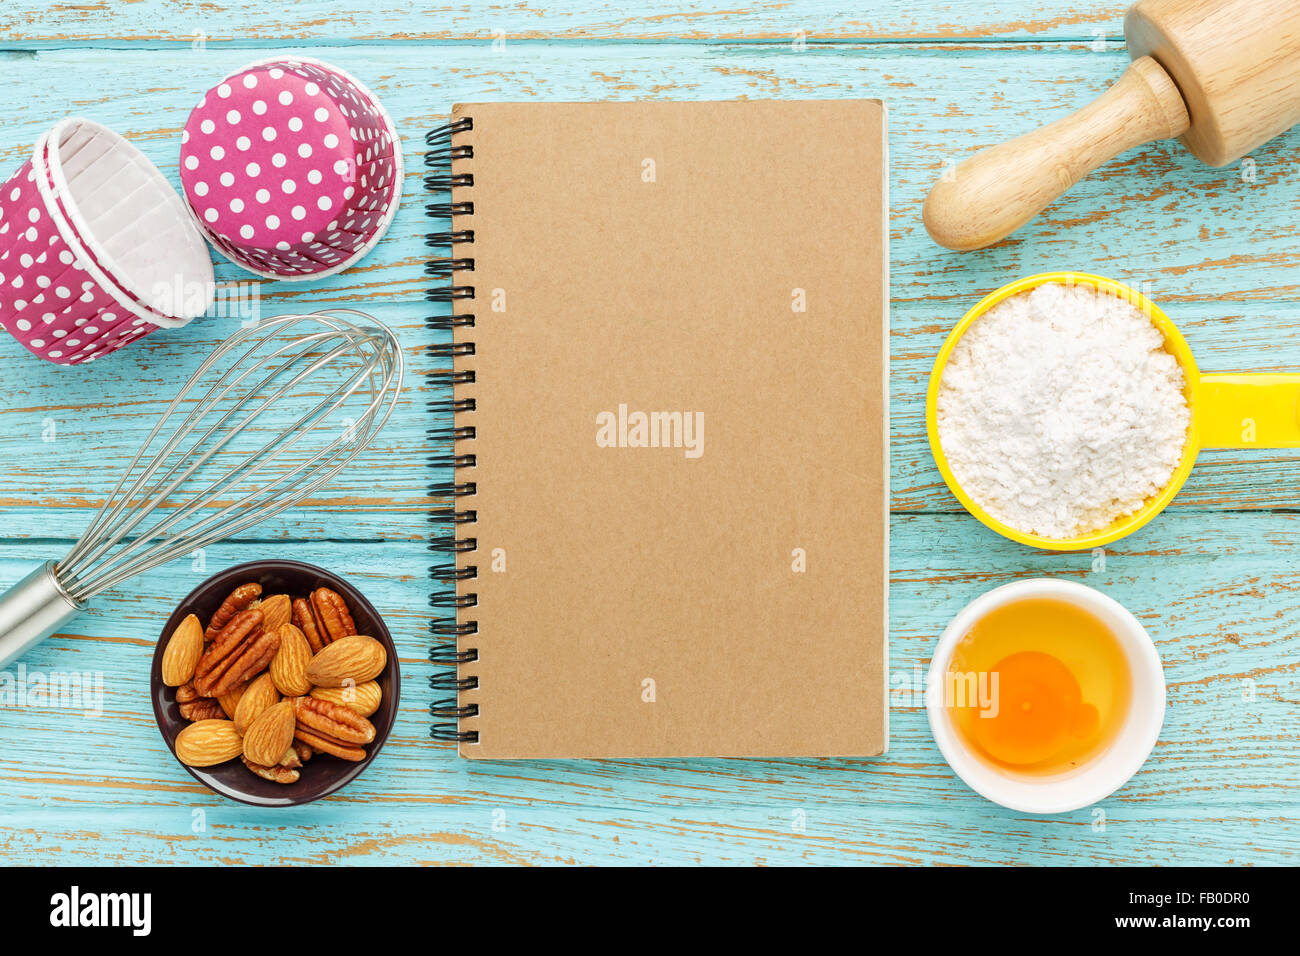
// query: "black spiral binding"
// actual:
[[447, 626]]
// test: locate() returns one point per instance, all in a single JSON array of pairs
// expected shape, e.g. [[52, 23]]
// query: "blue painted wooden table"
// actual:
[[1216, 579]]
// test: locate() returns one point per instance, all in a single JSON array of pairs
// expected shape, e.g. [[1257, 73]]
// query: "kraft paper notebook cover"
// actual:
[[667, 534]]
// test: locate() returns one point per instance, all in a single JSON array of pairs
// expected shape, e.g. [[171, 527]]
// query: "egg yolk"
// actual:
[[1038, 686], [1039, 708]]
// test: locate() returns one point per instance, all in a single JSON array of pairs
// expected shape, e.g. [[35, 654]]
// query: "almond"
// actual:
[[258, 696], [357, 658], [276, 610], [208, 742], [230, 702], [270, 735], [363, 698], [289, 667], [184, 648]]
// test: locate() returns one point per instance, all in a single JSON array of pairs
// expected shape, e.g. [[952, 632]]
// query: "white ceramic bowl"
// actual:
[[1101, 776]]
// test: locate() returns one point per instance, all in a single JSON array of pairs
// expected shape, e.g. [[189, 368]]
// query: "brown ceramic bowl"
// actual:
[[323, 774]]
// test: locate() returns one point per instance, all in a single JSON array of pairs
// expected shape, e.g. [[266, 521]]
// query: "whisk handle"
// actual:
[[32, 610]]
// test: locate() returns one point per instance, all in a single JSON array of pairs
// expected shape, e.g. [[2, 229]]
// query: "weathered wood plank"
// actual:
[[1156, 215], [26, 24], [782, 834], [1216, 590], [1218, 596], [1156, 219]]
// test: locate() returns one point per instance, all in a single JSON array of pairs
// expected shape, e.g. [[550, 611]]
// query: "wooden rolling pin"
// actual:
[[1223, 75]]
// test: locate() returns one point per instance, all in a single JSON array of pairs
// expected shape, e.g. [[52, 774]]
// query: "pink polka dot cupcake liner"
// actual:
[[292, 168], [96, 248]]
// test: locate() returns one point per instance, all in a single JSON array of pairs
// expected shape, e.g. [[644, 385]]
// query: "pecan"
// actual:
[[291, 759], [193, 707], [329, 745], [333, 720], [238, 600], [204, 708], [302, 751], [332, 617], [276, 774], [240, 652], [305, 620], [227, 640], [254, 656]]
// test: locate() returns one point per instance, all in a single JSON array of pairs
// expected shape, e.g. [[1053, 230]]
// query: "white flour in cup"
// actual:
[[1060, 411]]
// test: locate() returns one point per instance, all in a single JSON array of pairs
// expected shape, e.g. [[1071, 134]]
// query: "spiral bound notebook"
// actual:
[[662, 435]]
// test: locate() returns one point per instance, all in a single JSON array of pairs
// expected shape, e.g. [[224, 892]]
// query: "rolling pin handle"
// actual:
[[999, 189]]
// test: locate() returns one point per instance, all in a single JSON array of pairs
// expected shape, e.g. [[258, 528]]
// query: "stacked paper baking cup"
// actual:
[[96, 248], [291, 168]]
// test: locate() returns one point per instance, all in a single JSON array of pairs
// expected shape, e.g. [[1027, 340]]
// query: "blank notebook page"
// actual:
[[681, 428]]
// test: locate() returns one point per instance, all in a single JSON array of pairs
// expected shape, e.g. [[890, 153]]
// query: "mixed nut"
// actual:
[[273, 681]]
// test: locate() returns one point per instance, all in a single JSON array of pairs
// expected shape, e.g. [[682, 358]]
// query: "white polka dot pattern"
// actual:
[[290, 168], [48, 300]]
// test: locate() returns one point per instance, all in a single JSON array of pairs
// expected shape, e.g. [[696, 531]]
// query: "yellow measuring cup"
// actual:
[[1228, 410]]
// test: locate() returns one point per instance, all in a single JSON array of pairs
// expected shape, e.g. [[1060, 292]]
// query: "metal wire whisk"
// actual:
[[273, 414]]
